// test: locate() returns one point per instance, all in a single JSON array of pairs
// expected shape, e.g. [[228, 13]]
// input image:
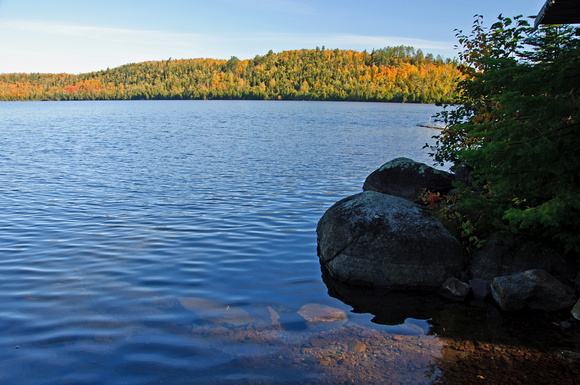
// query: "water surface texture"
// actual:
[[174, 241]]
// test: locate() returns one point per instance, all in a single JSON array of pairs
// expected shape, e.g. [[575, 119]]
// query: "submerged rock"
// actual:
[[274, 316], [315, 313], [379, 240], [216, 313], [533, 289], [406, 178]]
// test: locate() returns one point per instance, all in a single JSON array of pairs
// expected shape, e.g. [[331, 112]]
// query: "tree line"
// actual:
[[390, 74]]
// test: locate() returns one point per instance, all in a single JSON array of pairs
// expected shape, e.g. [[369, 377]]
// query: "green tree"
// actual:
[[233, 64], [516, 124]]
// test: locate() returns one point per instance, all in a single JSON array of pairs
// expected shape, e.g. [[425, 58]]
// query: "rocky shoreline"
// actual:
[[383, 238]]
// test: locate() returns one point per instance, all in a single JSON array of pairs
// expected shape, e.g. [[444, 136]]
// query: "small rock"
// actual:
[[576, 310], [357, 347], [454, 289], [468, 346]]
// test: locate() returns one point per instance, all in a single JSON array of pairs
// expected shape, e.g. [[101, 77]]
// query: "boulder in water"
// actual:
[[380, 240]]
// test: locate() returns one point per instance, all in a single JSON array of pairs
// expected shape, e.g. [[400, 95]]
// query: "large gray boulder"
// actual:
[[533, 289], [380, 240], [406, 178], [500, 257]]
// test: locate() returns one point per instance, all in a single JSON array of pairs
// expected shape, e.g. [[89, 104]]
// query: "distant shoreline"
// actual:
[[392, 74], [224, 100]]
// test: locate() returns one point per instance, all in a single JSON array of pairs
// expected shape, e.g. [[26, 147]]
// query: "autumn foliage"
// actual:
[[392, 74]]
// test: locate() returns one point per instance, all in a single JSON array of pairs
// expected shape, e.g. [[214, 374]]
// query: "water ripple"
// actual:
[[112, 212]]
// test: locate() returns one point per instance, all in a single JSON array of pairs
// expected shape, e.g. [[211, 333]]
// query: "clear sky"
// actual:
[[77, 36]]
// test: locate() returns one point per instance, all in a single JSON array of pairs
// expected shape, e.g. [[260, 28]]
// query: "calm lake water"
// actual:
[[174, 242]]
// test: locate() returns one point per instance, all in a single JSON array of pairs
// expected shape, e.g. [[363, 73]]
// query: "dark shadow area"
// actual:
[[480, 343], [388, 307]]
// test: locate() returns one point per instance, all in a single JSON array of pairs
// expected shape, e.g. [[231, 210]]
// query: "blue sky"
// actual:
[[76, 36]]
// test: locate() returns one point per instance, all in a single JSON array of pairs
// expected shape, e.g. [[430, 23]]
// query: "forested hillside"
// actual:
[[392, 74]]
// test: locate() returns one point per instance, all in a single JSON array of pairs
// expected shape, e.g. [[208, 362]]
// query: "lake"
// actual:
[[147, 242]]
